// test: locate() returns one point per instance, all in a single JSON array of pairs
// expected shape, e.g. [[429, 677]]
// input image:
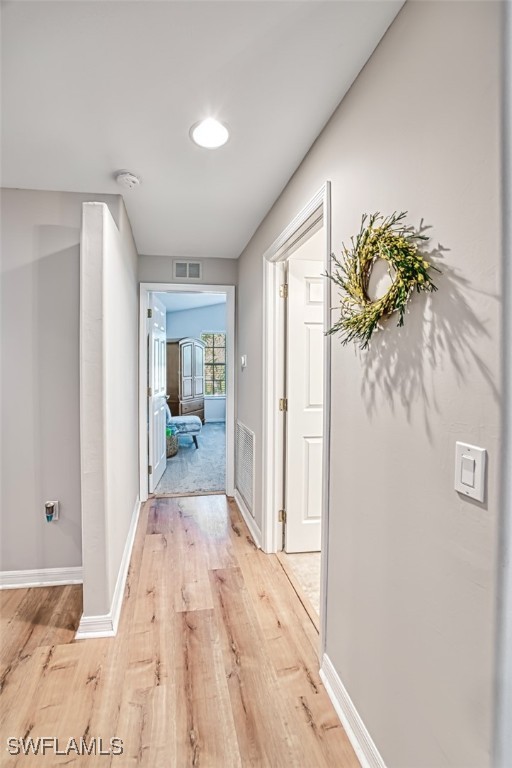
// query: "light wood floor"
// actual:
[[214, 664]]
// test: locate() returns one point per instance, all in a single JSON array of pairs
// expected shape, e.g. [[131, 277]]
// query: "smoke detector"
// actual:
[[127, 180]]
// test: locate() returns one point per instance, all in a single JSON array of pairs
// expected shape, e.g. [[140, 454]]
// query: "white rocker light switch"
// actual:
[[470, 470]]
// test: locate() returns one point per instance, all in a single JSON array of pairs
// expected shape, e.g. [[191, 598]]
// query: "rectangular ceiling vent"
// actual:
[[188, 270], [244, 465]]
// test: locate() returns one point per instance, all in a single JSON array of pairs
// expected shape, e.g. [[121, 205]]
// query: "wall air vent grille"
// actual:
[[188, 270], [244, 465]]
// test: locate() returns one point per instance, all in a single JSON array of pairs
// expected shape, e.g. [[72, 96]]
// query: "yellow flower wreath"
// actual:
[[379, 238]]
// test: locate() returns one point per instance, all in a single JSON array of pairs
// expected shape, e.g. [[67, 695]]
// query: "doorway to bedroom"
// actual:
[[188, 375]]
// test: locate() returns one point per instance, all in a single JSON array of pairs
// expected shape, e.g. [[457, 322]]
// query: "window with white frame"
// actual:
[[214, 364]]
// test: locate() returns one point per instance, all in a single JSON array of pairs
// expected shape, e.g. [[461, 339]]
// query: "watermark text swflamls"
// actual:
[[43, 745]]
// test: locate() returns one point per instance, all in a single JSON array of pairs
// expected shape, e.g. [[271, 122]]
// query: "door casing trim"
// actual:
[[144, 290], [318, 209]]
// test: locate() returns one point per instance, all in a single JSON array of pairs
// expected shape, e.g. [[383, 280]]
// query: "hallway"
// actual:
[[214, 663]]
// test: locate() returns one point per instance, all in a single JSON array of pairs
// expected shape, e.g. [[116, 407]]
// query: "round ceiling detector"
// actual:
[[209, 133], [127, 180]]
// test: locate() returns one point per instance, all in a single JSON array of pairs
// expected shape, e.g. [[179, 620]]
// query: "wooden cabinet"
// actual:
[[185, 377]]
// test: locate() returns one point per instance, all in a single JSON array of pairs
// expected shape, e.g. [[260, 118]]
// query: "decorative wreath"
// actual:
[[379, 238]]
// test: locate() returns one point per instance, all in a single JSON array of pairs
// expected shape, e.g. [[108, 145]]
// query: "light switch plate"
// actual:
[[465, 454]]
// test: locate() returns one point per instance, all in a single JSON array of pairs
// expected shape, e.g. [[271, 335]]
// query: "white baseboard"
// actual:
[[44, 577], [364, 747], [248, 519], [96, 626], [106, 625]]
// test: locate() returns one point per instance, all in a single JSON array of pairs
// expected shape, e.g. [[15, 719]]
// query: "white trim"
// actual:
[[363, 744], [95, 626], [317, 201], [318, 209], [117, 599], [502, 757], [327, 424], [273, 419], [229, 290], [248, 519], [44, 577], [106, 626]]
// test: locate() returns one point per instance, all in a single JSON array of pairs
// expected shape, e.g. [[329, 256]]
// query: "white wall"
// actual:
[[159, 269], [109, 399], [411, 565], [40, 428], [193, 322], [121, 362]]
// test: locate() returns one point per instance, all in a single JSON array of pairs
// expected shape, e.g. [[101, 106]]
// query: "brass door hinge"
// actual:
[[283, 404], [282, 516], [150, 470], [150, 313], [283, 291], [150, 392]]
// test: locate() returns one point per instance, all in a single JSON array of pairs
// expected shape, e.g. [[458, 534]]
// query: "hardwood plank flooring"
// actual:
[[214, 665]]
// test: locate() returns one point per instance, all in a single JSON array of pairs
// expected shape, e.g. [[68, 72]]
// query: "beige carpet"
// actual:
[[306, 569]]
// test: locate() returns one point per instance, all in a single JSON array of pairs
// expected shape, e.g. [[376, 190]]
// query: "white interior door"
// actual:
[[304, 440], [157, 383]]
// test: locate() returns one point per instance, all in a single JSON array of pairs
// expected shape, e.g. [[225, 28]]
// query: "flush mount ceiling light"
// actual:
[[209, 133]]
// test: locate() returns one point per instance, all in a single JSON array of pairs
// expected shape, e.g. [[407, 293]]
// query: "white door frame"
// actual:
[[502, 757], [317, 210], [157, 459], [145, 290]]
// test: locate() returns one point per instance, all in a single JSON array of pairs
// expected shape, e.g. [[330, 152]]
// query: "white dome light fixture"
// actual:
[[209, 133]]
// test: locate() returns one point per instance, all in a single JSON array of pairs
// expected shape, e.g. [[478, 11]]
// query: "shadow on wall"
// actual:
[[441, 331]]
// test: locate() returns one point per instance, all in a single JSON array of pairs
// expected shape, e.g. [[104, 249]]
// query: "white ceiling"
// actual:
[[89, 88], [176, 302]]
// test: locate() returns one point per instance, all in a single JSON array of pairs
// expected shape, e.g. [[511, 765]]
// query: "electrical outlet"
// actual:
[[51, 510]]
